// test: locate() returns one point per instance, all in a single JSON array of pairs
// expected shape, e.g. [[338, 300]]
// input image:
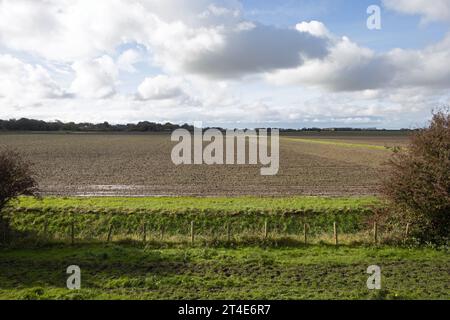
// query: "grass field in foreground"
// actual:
[[314, 272]]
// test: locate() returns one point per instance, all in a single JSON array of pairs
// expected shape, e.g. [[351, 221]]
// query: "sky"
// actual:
[[229, 63]]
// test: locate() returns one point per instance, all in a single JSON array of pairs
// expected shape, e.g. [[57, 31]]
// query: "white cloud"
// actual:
[[436, 10], [316, 28], [21, 81], [394, 108], [95, 78], [205, 48], [212, 37], [207, 38], [427, 68], [255, 50], [128, 59], [159, 88], [66, 30], [350, 67], [229, 49], [214, 11]]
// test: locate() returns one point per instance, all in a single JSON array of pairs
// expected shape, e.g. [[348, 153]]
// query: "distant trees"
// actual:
[[418, 184], [39, 125], [143, 126]]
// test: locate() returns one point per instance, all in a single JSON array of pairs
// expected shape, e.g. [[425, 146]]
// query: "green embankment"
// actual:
[[215, 219], [222, 204]]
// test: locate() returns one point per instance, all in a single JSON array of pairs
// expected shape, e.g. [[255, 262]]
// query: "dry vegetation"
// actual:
[[120, 164]]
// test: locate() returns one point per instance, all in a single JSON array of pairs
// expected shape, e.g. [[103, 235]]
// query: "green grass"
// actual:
[[247, 267], [222, 204], [313, 272], [340, 144], [245, 216]]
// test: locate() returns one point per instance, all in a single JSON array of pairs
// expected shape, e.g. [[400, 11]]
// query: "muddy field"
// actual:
[[140, 165]]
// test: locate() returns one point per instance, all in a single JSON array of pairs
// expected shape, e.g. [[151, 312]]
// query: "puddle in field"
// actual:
[[113, 194], [112, 187], [103, 191], [114, 190], [119, 190]]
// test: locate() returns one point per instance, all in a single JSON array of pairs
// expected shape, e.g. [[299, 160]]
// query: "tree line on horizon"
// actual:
[[25, 124]]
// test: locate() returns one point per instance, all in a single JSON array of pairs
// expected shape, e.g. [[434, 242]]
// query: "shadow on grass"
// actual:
[[46, 267], [121, 264], [153, 271]]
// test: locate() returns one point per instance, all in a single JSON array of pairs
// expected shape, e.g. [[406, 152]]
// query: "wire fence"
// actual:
[[73, 231]]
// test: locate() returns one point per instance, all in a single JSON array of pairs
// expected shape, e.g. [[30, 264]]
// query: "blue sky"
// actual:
[[349, 18], [286, 63]]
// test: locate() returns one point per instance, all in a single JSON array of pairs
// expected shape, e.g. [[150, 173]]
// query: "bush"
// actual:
[[16, 179], [418, 184]]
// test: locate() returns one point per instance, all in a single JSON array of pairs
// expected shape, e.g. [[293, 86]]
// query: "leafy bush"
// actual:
[[418, 184], [16, 179]]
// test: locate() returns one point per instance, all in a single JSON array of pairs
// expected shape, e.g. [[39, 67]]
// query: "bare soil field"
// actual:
[[140, 165]]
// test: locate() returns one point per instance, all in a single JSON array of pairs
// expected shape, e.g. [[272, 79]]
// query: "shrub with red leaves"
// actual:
[[418, 184], [16, 177]]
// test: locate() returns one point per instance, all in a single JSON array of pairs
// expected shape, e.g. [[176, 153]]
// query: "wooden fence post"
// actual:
[[305, 233], [336, 241], [144, 231], [6, 234], [407, 231], [375, 232], [109, 233], [192, 232], [72, 233], [162, 232], [3, 225], [266, 230], [45, 229]]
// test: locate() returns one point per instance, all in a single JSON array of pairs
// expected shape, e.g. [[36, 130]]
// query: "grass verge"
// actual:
[[166, 219], [340, 144], [222, 204]]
